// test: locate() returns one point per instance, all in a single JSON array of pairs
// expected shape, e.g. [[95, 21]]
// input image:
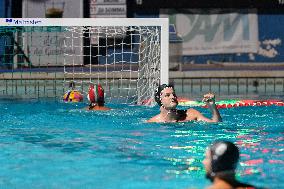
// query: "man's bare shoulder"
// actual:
[[192, 111], [216, 187], [154, 119], [192, 114], [104, 108], [220, 185], [98, 108], [210, 187]]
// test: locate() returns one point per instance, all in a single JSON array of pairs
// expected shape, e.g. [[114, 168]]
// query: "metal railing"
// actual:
[[188, 87], [230, 86]]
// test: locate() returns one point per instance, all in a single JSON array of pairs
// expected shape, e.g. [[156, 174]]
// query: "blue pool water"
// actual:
[[50, 144]]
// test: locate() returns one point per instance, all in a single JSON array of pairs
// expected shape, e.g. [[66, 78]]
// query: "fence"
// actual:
[[224, 87]]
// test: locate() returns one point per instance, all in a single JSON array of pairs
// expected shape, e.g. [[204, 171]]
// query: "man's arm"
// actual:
[[209, 100], [216, 117], [193, 114]]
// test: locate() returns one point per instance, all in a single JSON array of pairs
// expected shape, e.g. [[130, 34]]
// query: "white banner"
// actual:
[[108, 10], [52, 9], [45, 47], [106, 2], [215, 31]]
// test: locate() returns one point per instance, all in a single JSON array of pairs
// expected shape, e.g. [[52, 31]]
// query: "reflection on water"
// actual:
[[51, 140], [260, 154], [119, 147]]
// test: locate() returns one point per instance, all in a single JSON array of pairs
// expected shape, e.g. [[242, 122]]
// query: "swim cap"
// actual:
[[73, 96], [224, 156], [96, 93], [159, 91]]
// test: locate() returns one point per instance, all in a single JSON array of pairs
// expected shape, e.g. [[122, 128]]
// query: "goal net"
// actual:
[[127, 56]]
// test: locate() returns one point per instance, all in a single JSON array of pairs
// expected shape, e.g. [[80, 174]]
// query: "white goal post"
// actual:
[[128, 56]]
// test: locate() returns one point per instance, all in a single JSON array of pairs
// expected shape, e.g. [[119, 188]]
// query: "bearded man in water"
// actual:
[[167, 100]]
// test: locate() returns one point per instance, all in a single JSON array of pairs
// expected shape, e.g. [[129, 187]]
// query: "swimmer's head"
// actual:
[[222, 156], [73, 96], [96, 94], [166, 91]]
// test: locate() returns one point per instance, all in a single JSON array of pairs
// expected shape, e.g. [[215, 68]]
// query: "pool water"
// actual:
[[51, 144]]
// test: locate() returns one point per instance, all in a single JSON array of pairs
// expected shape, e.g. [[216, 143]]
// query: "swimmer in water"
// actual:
[[96, 98], [220, 164], [167, 100], [72, 95]]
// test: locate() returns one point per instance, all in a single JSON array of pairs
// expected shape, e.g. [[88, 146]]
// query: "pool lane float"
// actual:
[[73, 96], [232, 103]]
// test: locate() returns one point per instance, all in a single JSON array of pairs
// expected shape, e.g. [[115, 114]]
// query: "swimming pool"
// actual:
[[50, 144]]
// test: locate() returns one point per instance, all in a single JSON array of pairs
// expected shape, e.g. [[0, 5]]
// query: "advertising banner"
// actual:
[[111, 2], [215, 31], [108, 11], [108, 8]]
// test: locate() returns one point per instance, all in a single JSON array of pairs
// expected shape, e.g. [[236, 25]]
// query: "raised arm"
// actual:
[[209, 100]]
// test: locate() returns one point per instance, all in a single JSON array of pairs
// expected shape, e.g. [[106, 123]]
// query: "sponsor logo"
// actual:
[[22, 21]]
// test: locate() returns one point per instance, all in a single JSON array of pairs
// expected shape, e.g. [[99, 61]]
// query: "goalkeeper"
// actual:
[[167, 100]]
